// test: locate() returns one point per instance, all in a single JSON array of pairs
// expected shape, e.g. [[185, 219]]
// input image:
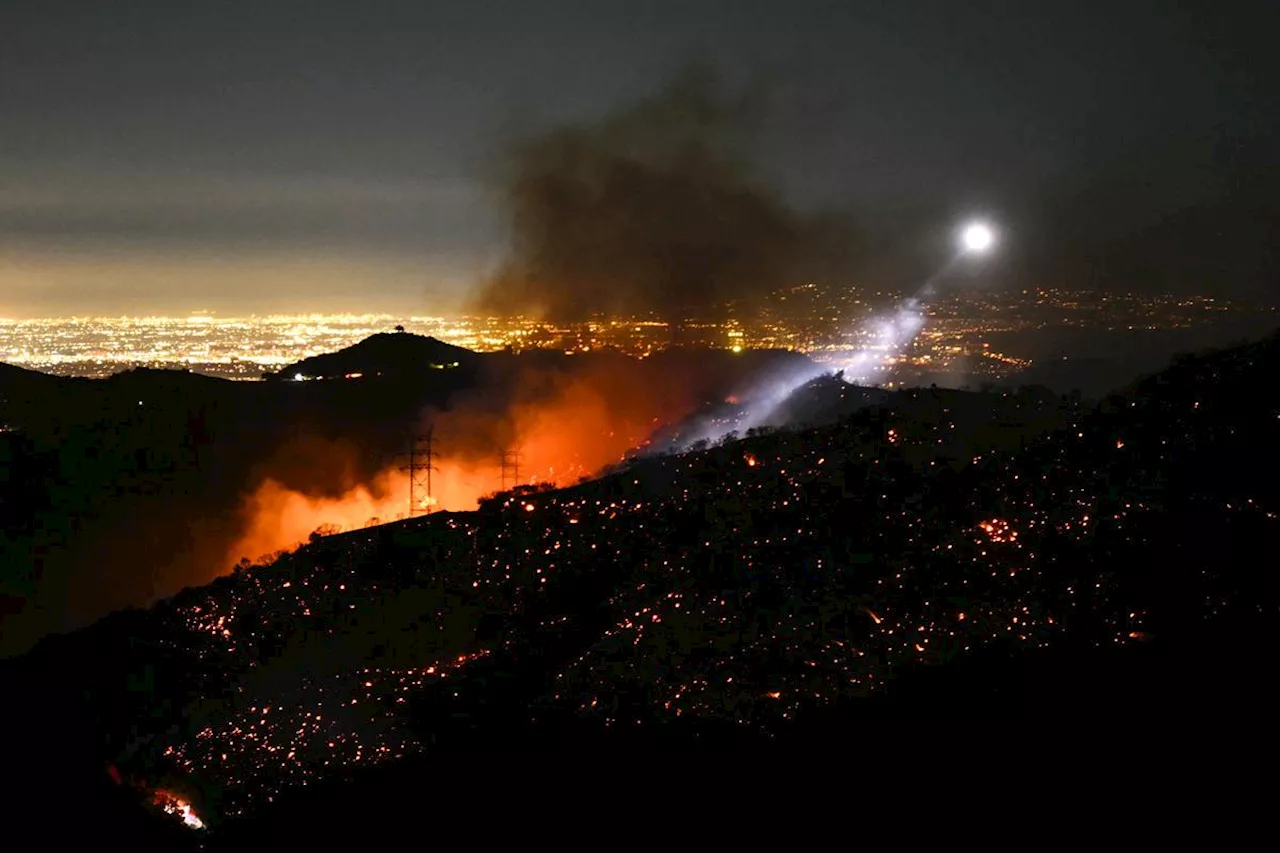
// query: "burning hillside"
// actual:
[[556, 424], [125, 491]]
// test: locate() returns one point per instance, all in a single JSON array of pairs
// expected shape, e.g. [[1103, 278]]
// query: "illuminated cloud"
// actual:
[[55, 281], [144, 243]]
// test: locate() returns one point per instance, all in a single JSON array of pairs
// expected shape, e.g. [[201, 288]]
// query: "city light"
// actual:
[[837, 327]]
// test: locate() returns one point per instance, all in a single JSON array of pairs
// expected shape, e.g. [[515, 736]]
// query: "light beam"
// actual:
[[890, 335]]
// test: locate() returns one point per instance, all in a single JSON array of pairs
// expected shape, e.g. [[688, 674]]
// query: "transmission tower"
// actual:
[[510, 468], [421, 454]]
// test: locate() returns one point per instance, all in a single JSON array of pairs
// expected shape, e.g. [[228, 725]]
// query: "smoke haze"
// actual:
[[653, 210]]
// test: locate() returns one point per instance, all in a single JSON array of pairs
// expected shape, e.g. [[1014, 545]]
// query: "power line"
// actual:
[[421, 454], [510, 460]]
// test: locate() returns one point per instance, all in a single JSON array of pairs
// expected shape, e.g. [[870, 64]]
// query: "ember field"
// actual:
[[757, 591]]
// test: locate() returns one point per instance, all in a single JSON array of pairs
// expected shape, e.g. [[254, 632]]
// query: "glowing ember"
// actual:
[[175, 805], [998, 530]]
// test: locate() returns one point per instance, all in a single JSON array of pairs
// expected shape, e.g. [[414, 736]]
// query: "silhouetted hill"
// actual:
[[18, 384], [383, 354], [929, 554], [164, 380]]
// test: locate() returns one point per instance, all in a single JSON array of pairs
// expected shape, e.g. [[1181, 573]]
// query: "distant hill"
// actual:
[[20, 381], [165, 378], [22, 388], [383, 354]]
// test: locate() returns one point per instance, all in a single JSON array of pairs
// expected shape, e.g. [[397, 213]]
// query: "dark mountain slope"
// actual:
[[776, 590]]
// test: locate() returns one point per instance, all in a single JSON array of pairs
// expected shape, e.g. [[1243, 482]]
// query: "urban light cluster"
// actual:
[[830, 324]]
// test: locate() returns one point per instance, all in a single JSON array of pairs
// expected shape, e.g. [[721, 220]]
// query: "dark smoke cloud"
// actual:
[[656, 209]]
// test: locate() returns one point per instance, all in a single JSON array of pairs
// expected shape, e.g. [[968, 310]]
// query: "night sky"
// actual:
[[170, 155]]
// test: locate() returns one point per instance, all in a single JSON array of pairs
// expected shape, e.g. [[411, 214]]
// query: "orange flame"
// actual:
[[586, 424], [173, 804]]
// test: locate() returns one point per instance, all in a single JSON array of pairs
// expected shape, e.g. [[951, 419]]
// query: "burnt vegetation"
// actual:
[[908, 554]]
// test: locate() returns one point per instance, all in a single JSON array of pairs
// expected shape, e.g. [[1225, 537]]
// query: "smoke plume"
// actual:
[[654, 209]]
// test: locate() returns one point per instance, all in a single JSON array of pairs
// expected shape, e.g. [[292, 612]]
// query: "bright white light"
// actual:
[[297, 377], [977, 238]]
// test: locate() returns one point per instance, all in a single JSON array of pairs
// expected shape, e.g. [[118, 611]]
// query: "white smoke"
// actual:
[[888, 337]]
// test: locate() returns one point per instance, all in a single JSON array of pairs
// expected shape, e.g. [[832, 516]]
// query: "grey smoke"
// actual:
[[654, 209]]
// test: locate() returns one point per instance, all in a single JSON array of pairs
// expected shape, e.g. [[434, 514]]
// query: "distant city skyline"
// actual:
[[964, 338]]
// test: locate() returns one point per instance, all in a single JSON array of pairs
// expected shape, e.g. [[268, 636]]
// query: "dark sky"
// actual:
[[170, 155]]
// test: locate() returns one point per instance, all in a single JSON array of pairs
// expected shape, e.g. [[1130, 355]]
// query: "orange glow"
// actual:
[[175, 805], [873, 616], [281, 518], [564, 427], [998, 530], [751, 461]]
